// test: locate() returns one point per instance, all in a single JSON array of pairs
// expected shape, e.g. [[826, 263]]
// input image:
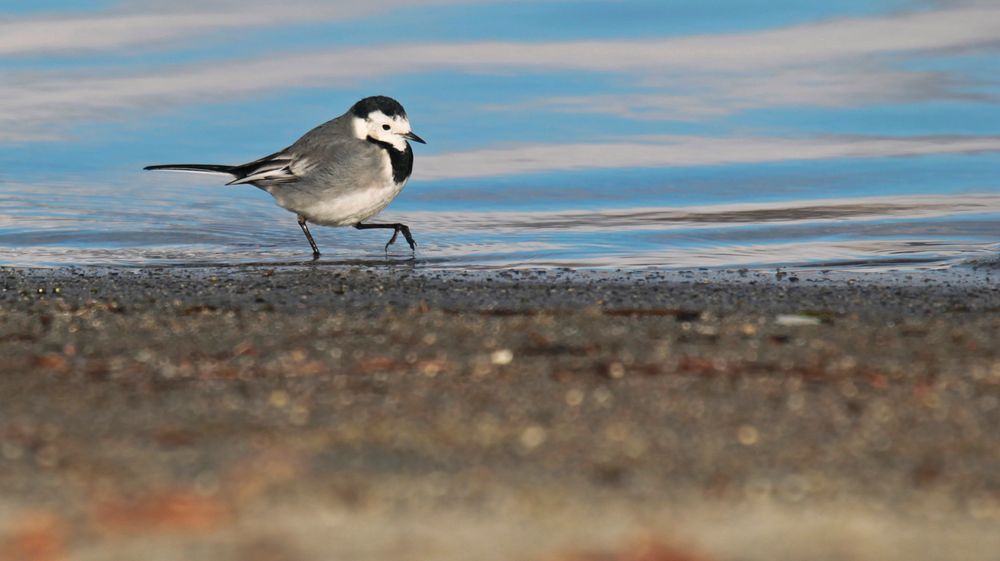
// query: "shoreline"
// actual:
[[534, 413]]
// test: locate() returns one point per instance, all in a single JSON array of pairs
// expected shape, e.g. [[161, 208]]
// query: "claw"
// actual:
[[392, 240], [396, 229], [409, 238]]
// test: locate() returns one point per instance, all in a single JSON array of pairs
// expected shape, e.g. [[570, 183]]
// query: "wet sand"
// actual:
[[392, 412]]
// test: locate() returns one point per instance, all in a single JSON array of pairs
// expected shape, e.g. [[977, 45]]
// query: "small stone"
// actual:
[[747, 435], [574, 397], [278, 398], [431, 368], [602, 396], [533, 437], [616, 370], [795, 320], [502, 357]]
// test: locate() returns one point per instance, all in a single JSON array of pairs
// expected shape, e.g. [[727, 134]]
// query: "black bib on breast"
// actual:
[[402, 161]]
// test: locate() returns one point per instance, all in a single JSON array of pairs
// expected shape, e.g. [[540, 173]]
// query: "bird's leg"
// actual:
[[312, 242], [396, 229]]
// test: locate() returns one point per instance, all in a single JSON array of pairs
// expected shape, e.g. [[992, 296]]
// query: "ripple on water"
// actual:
[[176, 226]]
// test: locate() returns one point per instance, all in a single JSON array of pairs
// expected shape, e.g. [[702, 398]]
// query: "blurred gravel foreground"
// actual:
[[390, 412]]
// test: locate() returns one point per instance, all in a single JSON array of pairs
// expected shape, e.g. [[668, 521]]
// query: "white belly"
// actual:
[[350, 208]]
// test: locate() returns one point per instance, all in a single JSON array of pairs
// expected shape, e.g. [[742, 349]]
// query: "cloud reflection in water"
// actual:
[[526, 114]]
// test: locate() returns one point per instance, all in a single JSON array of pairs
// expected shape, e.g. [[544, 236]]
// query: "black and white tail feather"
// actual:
[[276, 168]]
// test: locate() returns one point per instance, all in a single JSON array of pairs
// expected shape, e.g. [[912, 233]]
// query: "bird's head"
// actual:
[[383, 119]]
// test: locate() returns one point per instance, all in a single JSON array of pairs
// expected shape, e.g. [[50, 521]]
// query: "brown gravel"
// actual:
[[306, 413]]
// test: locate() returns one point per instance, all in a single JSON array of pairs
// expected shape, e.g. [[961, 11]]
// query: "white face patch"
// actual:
[[381, 127]]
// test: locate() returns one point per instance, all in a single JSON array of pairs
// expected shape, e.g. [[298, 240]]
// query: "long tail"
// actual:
[[196, 168]]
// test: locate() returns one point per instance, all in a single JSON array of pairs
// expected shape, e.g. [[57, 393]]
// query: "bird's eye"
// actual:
[[386, 127]]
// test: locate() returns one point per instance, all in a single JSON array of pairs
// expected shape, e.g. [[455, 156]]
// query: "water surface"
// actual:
[[573, 133]]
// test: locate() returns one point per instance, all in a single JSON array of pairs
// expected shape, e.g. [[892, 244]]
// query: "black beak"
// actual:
[[410, 135]]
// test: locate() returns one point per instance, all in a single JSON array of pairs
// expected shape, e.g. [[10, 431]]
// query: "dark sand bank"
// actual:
[[397, 413]]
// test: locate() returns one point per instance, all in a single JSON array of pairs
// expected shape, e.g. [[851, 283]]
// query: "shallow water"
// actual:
[[570, 134]]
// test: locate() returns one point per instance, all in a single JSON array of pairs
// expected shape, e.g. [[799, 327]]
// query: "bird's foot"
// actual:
[[397, 228]]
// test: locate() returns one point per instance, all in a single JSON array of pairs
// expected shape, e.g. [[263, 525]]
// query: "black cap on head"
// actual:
[[386, 105]]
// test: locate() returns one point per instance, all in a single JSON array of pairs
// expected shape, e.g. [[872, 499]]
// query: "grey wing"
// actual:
[[324, 176], [329, 157], [291, 163], [344, 165]]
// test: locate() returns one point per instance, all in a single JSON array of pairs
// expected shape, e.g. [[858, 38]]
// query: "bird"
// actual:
[[341, 173]]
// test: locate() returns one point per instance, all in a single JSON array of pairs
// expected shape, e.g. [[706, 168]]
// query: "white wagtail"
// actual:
[[338, 174]]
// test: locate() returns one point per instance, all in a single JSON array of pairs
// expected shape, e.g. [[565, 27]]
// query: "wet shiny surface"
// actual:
[[576, 134]]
